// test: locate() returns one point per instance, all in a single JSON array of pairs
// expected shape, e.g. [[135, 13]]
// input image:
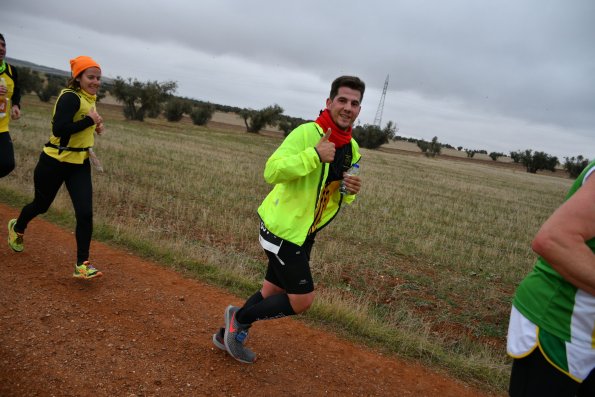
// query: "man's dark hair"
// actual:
[[2, 38], [347, 81]]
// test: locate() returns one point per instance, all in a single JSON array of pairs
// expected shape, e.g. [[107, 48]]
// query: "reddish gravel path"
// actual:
[[149, 334]]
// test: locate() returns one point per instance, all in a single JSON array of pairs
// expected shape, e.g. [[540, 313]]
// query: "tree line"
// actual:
[[152, 99]]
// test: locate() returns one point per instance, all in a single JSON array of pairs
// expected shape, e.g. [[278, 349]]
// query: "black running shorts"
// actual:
[[289, 268]]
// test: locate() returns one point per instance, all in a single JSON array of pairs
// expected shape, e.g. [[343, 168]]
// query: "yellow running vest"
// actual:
[[6, 75], [81, 139]]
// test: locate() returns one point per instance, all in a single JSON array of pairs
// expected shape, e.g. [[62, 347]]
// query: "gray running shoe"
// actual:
[[218, 337], [218, 340], [235, 336]]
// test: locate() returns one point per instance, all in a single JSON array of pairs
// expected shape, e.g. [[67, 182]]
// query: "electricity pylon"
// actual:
[[378, 118]]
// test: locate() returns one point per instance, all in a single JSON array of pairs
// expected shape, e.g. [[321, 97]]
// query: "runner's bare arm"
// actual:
[[561, 239]]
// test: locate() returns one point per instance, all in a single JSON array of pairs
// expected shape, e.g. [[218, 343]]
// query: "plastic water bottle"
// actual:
[[354, 170], [95, 160], [3, 101]]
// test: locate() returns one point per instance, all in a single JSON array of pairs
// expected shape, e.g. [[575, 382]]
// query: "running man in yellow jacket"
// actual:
[[306, 170], [10, 108]]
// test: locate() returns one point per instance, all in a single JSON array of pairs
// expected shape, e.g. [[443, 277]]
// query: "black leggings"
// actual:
[[49, 176], [7, 163]]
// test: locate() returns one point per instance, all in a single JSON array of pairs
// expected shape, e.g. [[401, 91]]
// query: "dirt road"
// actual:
[[144, 330]]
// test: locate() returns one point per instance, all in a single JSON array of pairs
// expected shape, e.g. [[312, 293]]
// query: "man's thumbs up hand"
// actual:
[[325, 148]]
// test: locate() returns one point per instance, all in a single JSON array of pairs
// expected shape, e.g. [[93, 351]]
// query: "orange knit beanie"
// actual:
[[79, 64]]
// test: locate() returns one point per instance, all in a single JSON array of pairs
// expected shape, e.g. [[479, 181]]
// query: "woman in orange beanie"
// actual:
[[65, 159]]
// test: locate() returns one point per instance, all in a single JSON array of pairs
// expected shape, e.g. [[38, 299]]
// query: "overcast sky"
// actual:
[[495, 75]]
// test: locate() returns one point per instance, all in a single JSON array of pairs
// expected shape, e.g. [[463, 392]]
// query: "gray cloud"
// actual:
[[500, 76]]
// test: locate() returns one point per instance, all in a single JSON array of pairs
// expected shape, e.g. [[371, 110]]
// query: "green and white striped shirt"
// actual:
[[553, 314]]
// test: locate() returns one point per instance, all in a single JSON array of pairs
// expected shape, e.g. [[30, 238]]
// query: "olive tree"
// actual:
[[141, 98], [256, 120], [574, 166], [371, 136]]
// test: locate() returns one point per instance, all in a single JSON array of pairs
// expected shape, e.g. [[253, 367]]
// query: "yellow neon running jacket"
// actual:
[[301, 202]]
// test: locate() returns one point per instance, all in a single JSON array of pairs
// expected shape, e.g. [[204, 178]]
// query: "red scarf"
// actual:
[[339, 137]]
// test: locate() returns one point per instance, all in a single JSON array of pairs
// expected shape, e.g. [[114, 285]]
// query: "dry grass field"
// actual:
[[423, 264]]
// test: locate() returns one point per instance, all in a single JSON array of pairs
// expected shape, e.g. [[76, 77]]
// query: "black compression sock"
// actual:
[[274, 306], [253, 300]]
